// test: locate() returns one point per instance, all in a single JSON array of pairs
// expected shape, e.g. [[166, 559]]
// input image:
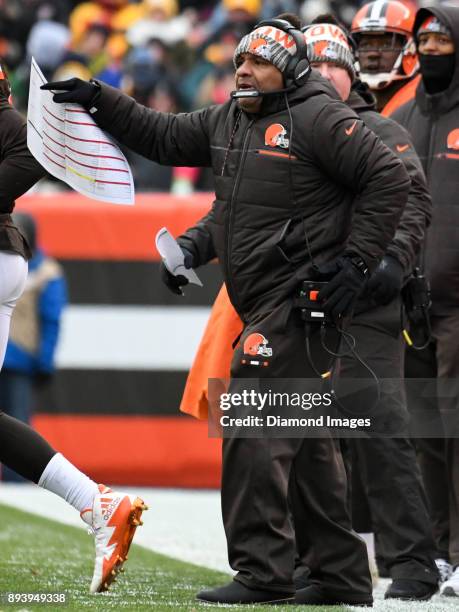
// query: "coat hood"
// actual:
[[361, 99], [445, 100]]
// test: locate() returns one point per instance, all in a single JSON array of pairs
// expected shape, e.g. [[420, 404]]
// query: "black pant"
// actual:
[[387, 466], [22, 449], [256, 475], [16, 399], [439, 454]]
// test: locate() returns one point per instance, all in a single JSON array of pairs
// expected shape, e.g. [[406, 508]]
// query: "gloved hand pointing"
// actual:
[[346, 276], [74, 91], [175, 283]]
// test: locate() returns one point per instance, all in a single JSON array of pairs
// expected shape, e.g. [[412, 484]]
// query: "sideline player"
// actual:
[[112, 517], [386, 51]]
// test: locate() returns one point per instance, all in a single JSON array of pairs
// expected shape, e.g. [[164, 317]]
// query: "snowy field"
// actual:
[[186, 525]]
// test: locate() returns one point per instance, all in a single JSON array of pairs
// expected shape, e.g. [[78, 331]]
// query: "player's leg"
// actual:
[[112, 517]]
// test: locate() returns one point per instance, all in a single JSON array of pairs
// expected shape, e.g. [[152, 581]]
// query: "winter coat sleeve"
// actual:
[[198, 240], [417, 213], [167, 138], [19, 170], [356, 157]]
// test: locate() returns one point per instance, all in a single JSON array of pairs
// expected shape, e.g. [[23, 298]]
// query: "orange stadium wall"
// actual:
[[147, 443]]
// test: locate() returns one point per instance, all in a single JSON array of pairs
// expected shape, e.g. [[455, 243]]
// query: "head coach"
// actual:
[[303, 189]]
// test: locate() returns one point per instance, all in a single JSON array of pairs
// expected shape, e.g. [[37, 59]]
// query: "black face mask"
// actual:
[[437, 71]]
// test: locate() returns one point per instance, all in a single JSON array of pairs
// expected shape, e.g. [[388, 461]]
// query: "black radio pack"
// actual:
[[306, 300], [416, 297]]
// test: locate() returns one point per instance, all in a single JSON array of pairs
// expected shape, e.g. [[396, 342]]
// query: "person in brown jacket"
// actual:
[[387, 463], [432, 119], [21, 448], [303, 190]]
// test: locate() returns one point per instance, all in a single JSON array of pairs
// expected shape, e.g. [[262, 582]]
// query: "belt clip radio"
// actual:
[[306, 301], [416, 297]]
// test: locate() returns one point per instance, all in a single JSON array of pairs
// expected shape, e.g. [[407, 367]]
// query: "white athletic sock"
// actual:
[[64, 479]]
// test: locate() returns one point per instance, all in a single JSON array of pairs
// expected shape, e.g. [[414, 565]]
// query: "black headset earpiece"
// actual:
[[298, 68]]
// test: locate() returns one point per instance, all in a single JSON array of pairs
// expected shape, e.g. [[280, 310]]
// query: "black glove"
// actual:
[[346, 276], [386, 281], [76, 91], [175, 283]]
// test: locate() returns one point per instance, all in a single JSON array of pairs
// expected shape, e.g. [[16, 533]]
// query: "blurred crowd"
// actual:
[[171, 55]]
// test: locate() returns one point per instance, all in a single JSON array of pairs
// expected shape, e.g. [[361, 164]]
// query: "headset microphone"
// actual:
[[246, 93], [255, 93]]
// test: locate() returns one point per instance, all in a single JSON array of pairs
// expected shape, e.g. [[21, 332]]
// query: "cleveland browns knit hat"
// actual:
[[327, 42], [269, 43], [433, 25]]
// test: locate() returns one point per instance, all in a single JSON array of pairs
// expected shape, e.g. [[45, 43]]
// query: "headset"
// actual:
[[298, 68]]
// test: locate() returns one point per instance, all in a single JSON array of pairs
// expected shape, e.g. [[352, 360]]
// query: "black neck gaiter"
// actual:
[[437, 71]]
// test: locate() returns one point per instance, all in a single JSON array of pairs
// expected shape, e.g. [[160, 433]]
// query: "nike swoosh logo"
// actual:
[[402, 148], [351, 129]]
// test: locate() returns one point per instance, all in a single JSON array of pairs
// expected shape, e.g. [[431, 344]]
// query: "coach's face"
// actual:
[[254, 72], [338, 77]]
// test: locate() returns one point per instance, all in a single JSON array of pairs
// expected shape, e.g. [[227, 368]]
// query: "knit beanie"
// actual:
[[269, 43], [326, 42], [433, 25]]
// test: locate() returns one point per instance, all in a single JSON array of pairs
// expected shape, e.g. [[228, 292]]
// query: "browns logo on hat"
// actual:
[[269, 43], [432, 25], [326, 42]]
